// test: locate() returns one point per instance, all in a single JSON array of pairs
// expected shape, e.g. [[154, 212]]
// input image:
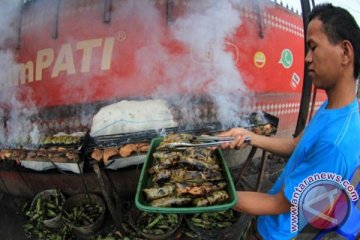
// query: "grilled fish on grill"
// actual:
[[71, 155], [31, 155], [127, 150], [108, 153], [61, 140], [5, 154], [142, 147], [13, 154], [18, 154], [41, 153], [97, 154], [159, 192]]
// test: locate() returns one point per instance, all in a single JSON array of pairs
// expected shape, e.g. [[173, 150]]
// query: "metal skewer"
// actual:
[[213, 143]]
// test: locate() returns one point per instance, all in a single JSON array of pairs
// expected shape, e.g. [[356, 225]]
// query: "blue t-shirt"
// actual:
[[330, 144]]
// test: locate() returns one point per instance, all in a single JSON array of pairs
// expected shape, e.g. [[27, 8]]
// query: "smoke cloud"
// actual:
[[205, 30], [204, 65], [206, 68], [16, 126]]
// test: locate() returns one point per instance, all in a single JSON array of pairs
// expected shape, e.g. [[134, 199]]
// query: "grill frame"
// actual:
[[116, 140]]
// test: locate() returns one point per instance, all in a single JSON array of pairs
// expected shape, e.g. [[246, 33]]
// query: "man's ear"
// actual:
[[348, 52]]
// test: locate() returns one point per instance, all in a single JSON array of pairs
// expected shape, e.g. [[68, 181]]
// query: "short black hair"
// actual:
[[339, 25]]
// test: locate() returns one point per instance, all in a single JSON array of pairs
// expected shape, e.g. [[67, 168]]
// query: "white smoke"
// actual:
[[9, 16], [20, 128], [204, 30], [15, 117], [204, 65]]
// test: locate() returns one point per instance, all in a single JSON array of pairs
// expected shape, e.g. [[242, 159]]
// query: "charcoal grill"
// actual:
[[51, 153], [103, 143], [250, 121]]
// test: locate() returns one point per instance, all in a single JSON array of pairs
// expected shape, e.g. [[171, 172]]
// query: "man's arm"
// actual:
[[279, 146], [256, 203]]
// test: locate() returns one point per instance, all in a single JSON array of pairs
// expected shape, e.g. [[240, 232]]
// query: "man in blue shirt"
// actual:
[[330, 144]]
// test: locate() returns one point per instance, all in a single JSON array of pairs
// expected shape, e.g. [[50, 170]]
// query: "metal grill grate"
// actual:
[[114, 140]]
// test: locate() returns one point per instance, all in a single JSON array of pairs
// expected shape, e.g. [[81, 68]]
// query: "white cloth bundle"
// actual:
[[132, 116]]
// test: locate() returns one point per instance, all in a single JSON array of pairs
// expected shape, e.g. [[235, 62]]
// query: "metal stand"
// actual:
[[247, 164], [109, 194], [262, 171], [248, 218]]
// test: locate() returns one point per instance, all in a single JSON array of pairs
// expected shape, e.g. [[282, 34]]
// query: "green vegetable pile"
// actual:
[[83, 215], [214, 220], [156, 223], [44, 207]]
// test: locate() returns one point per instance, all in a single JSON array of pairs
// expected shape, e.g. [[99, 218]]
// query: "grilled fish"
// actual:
[[189, 188], [194, 164], [108, 153], [181, 175], [161, 176], [97, 154], [171, 201], [72, 155], [160, 166], [159, 192], [127, 150], [172, 156], [213, 198], [199, 189], [203, 154], [174, 138]]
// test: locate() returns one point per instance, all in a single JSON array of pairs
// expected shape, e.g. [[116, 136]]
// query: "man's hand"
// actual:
[[277, 145], [240, 134]]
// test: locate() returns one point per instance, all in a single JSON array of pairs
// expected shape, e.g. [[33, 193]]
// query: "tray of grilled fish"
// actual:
[[185, 180]]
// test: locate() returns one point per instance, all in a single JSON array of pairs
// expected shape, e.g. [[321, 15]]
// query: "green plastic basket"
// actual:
[[145, 181]]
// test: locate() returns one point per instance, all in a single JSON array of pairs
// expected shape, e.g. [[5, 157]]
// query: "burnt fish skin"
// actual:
[[213, 198], [171, 201], [182, 175], [162, 176], [159, 192], [199, 189], [192, 163]]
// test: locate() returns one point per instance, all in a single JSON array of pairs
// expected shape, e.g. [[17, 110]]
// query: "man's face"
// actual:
[[323, 57]]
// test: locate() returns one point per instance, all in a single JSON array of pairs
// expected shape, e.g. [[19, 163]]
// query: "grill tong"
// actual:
[[206, 141]]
